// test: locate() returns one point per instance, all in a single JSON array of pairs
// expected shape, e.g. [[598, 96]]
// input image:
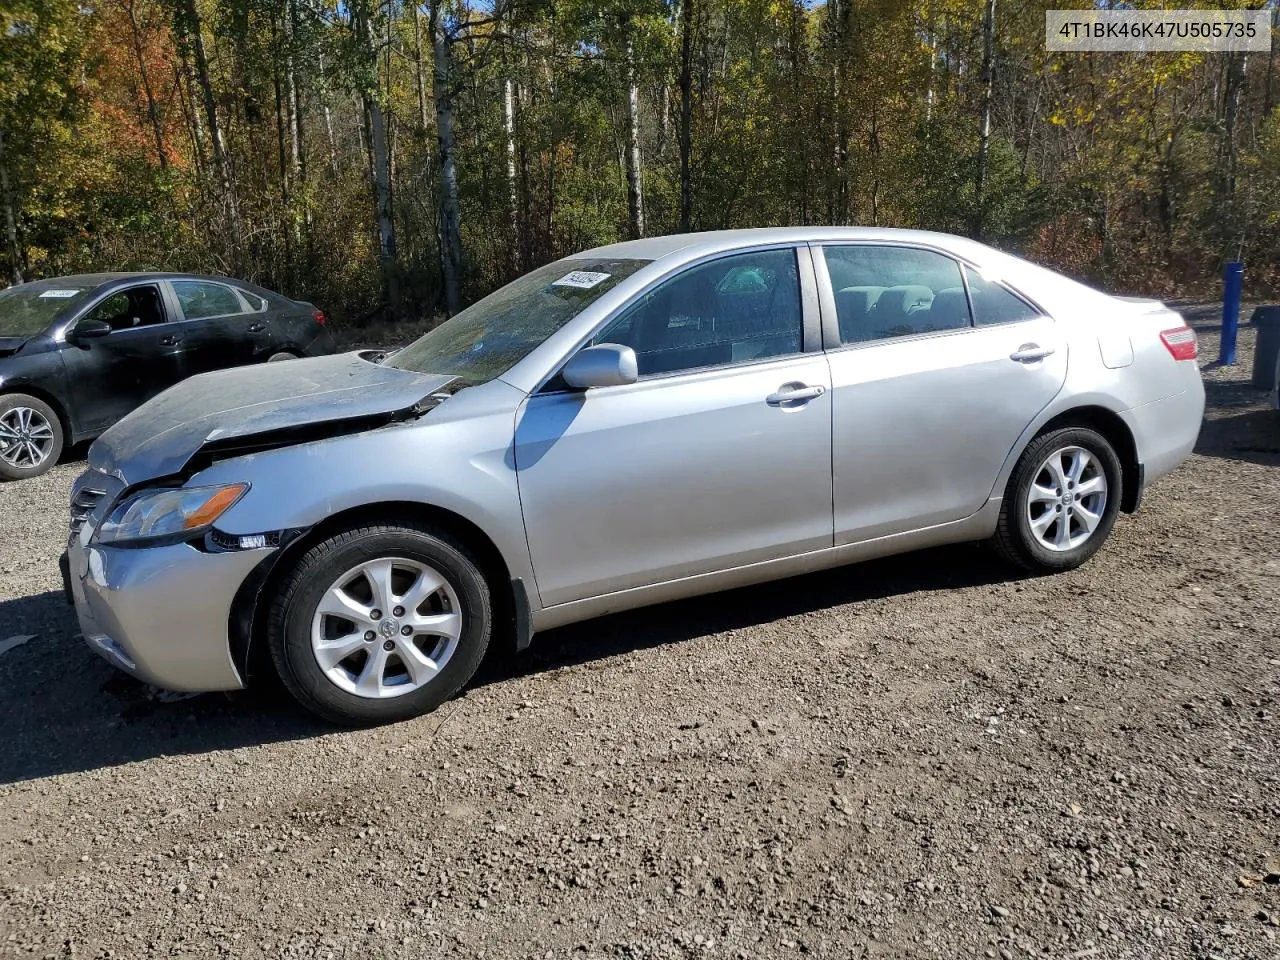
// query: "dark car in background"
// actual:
[[78, 353]]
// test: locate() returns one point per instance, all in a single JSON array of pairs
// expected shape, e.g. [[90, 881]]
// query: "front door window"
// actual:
[[735, 309]]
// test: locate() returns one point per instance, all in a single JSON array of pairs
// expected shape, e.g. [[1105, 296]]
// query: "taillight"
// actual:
[[1180, 342], [319, 318]]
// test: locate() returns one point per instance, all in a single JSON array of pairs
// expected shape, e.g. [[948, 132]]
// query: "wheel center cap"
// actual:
[[389, 628]]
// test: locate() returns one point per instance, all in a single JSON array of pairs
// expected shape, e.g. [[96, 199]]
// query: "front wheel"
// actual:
[[1061, 501], [380, 623], [30, 437]]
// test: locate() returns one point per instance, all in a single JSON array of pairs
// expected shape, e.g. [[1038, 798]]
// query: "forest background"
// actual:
[[397, 160]]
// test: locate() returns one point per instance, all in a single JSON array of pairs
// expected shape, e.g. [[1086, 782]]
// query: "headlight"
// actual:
[[158, 514]]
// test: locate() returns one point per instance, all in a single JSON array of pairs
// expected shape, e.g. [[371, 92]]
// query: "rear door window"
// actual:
[[882, 292], [200, 299]]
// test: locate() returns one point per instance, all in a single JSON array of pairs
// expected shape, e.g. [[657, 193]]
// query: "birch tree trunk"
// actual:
[[191, 114], [153, 112], [502, 12], [420, 80], [10, 218], [984, 124], [450, 215], [195, 35], [328, 117], [1237, 66], [931, 35], [664, 117], [686, 113], [838, 202], [382, 201], [635, 186], [513, 189], [1267, 98], [379, 157], [296, 163]]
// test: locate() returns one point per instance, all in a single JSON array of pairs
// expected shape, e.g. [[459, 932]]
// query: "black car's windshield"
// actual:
[[29, 308], [489, 337]]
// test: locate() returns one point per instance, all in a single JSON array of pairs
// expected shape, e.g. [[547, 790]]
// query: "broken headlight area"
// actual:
[[167, 515], [216, 541]]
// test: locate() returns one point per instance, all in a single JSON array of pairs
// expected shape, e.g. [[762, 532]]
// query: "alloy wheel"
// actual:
[[386, 628], [1067, 498], [26, 438]]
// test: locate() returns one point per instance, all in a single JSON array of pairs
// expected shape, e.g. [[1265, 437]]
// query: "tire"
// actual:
[[31, 438], [1027, 536], [282, 355], [367, 681]]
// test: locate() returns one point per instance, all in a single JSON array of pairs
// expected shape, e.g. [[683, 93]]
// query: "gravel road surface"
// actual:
[[928, 756]]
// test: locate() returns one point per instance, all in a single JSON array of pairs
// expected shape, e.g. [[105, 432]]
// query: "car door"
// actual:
[[720, 454], [268, 325], [144, 354], [219, 326], [926, 403]]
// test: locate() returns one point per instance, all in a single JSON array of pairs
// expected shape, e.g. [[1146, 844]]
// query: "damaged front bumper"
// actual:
[[159, 613]]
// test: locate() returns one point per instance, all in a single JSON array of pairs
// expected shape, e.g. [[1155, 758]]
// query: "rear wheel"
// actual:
[[30, 437], [380, 623], [1061, 502], [282, 355]]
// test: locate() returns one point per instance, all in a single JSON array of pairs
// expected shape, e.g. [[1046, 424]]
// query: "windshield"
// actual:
[[29, 308], [489, 337]]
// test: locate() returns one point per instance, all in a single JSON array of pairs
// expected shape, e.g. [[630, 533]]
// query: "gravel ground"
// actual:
[[924, 756]]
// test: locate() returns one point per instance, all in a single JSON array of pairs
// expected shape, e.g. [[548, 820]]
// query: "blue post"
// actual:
[[1232, 284]]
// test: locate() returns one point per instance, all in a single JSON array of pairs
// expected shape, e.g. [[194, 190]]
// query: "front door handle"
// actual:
[[170, 341], [257, 327], [1030, 353], [790, 394]]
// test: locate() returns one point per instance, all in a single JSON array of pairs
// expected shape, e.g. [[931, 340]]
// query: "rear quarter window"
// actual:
[[993, 303], [256, 303]]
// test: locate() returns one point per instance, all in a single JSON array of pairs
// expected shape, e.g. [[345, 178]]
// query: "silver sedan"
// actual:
[[636, 423]]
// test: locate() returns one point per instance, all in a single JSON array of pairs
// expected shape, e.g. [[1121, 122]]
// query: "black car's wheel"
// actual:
[[380, 623], [30, 437], [1061, 502], [282, 355]]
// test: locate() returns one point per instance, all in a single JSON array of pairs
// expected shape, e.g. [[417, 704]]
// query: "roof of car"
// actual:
[[98, 279], [714, 241]]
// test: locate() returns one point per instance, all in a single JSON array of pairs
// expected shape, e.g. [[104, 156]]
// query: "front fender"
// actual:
[[460, 461]]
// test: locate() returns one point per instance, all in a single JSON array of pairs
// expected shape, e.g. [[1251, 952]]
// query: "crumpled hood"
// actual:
[[10, 345], [161, 436]]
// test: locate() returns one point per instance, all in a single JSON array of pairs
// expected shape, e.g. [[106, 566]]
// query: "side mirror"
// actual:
[[88, 330], [604, 365]]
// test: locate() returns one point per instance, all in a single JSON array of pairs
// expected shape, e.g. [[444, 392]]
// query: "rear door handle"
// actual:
[[257, 327], [170, 341], [1030, 353], [794, 393]]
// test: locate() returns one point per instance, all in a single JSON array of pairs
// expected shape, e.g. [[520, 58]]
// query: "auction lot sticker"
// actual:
[[58, 294], [1149, 31], [581, 278]]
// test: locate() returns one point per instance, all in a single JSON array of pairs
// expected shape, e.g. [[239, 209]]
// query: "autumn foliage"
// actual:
[[389, 158]]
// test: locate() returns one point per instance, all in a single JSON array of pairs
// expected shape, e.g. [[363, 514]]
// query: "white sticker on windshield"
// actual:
[[59, 294], [584, 279]]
